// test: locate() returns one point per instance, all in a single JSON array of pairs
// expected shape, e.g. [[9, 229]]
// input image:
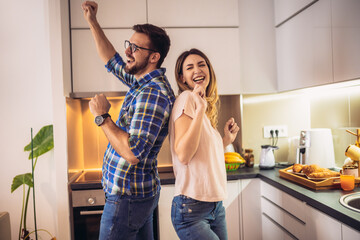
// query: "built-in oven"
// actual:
[[88, 206], [88, 200]]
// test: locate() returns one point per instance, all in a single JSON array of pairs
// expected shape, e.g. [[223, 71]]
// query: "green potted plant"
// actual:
[[39, 145]]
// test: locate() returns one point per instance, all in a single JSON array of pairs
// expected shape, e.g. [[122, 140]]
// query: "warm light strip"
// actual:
[[92, 169], [313, 92]]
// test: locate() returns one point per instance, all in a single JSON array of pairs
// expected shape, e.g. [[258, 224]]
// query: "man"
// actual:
[[130, 177]]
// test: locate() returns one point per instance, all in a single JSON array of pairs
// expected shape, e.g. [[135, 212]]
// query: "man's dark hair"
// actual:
[[159, 40]]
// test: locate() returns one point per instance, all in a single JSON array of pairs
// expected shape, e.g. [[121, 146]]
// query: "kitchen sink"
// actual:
[[351, 201]]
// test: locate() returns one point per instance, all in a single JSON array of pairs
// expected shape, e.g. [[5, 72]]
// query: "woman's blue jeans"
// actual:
[[128, 218], [193, 219]]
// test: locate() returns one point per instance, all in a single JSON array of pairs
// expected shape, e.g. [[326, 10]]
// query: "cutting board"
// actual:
[[329, 183]]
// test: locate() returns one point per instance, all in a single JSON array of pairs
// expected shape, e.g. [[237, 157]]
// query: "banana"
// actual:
[[232, 159], [233, 154]]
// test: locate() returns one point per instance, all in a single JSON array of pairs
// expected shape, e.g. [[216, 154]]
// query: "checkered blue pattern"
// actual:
[[144, 116]]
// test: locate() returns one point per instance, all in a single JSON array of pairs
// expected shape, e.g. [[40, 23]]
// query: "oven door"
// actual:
[[87, 222]]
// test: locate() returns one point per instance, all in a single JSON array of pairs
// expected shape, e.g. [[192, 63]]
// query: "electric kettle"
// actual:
[[267, 159]]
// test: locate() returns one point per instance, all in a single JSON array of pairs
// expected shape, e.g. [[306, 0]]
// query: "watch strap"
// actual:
[[99, 120]]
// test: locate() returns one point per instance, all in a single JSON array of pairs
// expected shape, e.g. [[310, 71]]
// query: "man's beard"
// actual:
[[139, 67]]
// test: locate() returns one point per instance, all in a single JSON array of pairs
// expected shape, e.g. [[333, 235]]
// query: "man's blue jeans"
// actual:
[[128, 218], [193, 219]]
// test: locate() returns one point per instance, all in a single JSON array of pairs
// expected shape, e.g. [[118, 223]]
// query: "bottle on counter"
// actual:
[[249, 158]]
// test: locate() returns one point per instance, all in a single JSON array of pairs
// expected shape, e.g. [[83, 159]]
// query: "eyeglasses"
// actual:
[[134, 47]]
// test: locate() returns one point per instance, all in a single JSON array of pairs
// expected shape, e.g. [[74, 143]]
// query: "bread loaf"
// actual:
[[315, 171]]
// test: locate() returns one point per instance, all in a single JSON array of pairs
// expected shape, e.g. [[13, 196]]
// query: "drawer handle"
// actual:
[[91, 212]]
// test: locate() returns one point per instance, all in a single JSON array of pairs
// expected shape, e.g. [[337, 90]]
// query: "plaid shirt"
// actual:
[[144, 116]]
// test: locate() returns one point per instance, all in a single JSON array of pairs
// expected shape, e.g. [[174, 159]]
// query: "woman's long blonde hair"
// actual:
[[212, 96]]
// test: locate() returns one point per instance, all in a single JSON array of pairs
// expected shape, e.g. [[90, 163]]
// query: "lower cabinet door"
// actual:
[[166, 229], [283, 218], [349, 233], [231, 205], [272, 231], [321, 226]]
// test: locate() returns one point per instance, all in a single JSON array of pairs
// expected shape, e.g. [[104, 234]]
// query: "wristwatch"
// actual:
[[101, 118]]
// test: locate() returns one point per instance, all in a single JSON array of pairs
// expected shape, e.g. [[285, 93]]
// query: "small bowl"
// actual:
[[232, 166]]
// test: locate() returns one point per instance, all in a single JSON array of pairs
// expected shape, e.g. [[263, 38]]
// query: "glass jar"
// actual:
[[249, 158]]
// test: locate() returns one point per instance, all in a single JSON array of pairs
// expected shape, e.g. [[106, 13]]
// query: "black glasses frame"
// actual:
[[134, 47]]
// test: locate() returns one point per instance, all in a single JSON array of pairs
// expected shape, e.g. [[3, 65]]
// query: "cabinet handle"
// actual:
[[91, 212]]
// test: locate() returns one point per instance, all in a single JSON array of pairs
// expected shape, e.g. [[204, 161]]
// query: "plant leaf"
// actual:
[[21, 179], [42, 142]]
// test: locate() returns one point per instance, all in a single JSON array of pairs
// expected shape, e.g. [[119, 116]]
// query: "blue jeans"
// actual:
[[128, 218], [193, 219]]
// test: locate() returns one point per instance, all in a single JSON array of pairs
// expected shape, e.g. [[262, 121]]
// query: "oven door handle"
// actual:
[[91, 212]]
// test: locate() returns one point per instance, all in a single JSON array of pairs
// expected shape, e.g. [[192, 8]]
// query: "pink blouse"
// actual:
[[204, 178]]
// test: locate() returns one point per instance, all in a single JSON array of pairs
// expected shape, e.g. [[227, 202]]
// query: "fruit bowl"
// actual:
[[233, 161], [232, 166]]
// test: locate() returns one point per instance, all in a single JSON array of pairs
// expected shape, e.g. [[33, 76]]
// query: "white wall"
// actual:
[[29, 95]]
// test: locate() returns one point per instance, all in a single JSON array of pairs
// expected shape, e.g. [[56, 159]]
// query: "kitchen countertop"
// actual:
[[326, 201]]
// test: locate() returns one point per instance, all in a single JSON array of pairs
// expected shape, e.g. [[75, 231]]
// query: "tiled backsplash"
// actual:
[[322, 107]]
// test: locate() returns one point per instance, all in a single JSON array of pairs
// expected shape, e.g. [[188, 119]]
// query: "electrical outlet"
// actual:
[[283, 131]]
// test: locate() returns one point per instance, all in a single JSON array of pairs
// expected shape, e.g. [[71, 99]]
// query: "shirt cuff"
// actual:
[[135, 144], [116, 59]]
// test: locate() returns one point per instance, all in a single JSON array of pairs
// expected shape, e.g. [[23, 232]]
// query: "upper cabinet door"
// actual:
[[111, 13], [88, 71], [346, 39], [190, 13], [304, 50], [257, 47], [220, 45], [285, 9]]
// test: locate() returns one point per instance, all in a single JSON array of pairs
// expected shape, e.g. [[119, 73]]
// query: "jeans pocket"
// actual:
[[193, 211], [140, 210]]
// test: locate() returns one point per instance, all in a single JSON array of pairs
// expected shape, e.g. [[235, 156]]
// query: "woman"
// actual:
[[197, 150]]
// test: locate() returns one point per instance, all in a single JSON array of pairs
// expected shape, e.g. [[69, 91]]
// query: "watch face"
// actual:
[[99, 120]]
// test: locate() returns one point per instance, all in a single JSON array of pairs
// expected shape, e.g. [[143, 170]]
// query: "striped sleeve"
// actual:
[[116, 66]]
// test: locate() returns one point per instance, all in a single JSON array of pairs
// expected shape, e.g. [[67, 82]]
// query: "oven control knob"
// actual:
[[91, 201]]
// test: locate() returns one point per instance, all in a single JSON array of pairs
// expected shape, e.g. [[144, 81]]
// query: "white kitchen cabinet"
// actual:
[[321, 226], [88, 71], [283, 218], [257, 47], [346, 39], [166, 229], [221, 47], [111, 13], [349, 233], [304, 48], [233, 212], [272, 231], [189, 13], [285, 9], [290, 204], [284, 211], [250, 218]]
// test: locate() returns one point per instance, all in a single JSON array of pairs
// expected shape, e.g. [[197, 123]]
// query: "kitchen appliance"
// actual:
[[316, 147], [87, 201], [267, 159], [293, 149]]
